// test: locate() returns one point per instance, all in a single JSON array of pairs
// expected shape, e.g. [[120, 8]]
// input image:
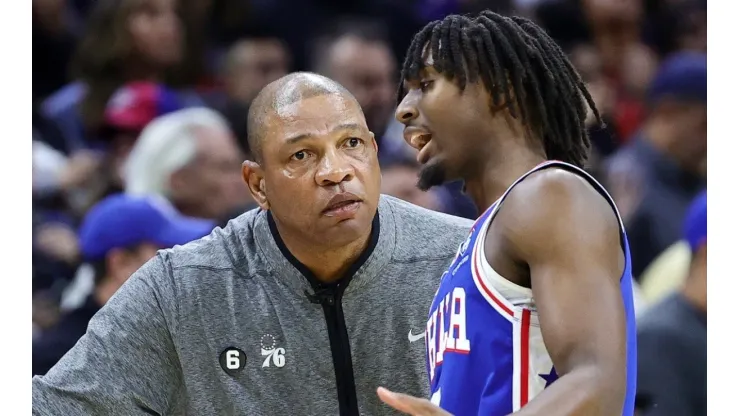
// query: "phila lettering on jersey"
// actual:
[[485, 352]]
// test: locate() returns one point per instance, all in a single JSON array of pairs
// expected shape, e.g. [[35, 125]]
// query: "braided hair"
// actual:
[[519, 65]]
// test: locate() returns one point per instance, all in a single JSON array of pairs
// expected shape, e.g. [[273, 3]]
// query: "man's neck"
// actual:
[[104, 291], [498, 173], [327, 263]]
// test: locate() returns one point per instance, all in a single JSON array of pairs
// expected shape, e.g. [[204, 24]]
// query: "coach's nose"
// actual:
[[407, 110], [334, 169]]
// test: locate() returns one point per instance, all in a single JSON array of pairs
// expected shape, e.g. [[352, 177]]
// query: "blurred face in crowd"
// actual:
[[122, 263], [210, 185], [367, 69], [156, 32], [588, 63], [400, 181], [319, 172], [252, 64], [684, 132], [694, 35], [602, 12], [451, 129]]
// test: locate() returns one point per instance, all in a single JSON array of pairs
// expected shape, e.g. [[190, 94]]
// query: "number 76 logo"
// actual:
[[276, 355]]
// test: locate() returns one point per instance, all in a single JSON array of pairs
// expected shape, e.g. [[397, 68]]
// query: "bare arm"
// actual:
[[570, 242]]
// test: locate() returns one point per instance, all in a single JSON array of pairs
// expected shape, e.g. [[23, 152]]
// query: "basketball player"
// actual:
[[535, 315]]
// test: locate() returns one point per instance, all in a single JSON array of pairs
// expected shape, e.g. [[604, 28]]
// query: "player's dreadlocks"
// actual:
[[511, 54]]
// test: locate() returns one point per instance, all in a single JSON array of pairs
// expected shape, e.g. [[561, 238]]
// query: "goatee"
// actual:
[[431, 175]]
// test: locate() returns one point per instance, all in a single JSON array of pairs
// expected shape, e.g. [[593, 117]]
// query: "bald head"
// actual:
[[282, 93]]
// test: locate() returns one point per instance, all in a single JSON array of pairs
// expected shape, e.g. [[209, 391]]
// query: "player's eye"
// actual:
[[425, 85]]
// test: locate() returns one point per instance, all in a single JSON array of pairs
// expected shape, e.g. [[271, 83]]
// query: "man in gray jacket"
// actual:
[[303, 307]]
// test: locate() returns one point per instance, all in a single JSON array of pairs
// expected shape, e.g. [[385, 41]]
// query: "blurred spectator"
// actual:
[[359, 57], [89, 175], [654, 178], [117, 237], [250, 64], [676, 25], [53, 42], [590, 66], [126, 40], [128, 112], [672, 336], [399, 180], [616, 29], [191, 158], [666, 273]]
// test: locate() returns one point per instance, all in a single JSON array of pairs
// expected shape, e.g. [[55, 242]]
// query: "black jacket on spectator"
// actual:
[[672, 359]]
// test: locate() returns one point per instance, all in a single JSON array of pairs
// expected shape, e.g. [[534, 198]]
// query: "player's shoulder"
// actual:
[[554, 200], [424, 231]]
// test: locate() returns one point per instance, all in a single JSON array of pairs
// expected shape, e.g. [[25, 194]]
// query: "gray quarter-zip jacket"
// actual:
[[232, 324]]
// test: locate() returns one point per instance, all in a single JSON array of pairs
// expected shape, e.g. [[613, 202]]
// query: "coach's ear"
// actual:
[[254, 178], [375, 142]]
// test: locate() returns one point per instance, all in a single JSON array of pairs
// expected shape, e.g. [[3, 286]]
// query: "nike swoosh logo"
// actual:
[[414, 338]]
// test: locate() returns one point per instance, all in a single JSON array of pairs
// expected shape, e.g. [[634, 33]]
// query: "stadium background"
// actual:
[[102, 70]]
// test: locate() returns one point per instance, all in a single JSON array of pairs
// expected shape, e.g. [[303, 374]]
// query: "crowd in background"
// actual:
[[139, 131]]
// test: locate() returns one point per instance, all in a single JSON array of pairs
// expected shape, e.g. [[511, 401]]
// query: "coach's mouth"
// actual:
[[345, 204]]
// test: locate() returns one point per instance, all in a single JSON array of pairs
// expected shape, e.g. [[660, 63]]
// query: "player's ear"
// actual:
[[255, 179]]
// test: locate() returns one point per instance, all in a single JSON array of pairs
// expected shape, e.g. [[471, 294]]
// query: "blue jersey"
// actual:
[[485, 352]]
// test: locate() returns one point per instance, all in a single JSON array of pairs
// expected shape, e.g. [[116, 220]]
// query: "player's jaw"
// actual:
[[431, 174], [432, 171]]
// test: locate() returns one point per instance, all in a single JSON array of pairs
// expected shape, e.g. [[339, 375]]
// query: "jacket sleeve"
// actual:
[[126, 363]]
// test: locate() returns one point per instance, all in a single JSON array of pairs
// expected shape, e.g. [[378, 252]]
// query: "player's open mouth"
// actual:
[[419, 138], [425, 152]]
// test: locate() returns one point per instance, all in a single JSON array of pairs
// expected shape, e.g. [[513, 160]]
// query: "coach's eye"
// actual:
[[299, 155], [425, 85], [353, 142]]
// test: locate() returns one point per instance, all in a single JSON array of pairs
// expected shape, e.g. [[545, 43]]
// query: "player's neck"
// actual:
[[498, 173]]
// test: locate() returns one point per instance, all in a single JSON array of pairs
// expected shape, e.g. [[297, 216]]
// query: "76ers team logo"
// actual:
[[268, 346]]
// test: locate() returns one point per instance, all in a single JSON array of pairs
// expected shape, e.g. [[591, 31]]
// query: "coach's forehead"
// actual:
[[302, 88], [292, 101], [317, 115]]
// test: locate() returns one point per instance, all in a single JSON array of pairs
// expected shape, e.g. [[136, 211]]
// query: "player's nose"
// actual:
[[407, 110]]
